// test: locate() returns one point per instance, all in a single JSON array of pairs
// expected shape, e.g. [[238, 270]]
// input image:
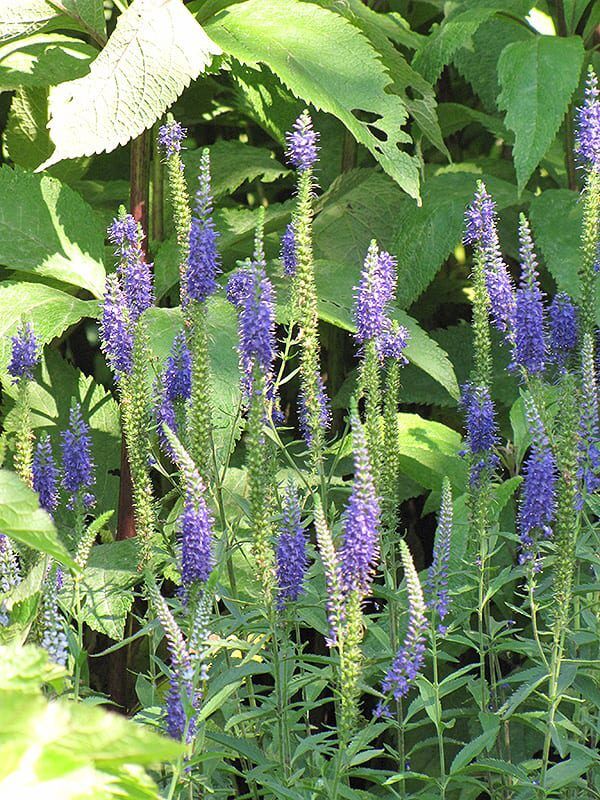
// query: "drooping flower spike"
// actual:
[[174, 390], [529, 351], [53, 637], [291, 559], [482, 233], [25, 353], [116, 329]]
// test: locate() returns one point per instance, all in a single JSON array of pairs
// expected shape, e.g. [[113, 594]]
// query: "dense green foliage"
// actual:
[[415, 101]]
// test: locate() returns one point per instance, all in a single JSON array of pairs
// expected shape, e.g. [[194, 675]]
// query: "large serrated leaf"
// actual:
[[47, 229], [538, 77], [156, 49], [43, 59], [21, 17], [88, 13], [317, 58]]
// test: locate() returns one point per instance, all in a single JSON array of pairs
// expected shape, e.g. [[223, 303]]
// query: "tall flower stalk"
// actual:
[[124, 342], [302, 154], [25, 356]]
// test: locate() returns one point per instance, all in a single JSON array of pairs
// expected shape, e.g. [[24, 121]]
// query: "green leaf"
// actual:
[[21, 17], [556, 217], [526, 70], [232, 163], [471, 750], [106, 593], [43, 59], [89, 13], [22, 519], [156, 49], [428, 451], [50, 310], [317, 58], [568, 771], [25, 669], [47, 229], [426, 236]]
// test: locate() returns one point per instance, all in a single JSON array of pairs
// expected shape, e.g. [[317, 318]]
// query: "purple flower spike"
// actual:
[[373, 294], [175, 389], [481, 232], [564, 328], [251, 292], [291, 558], [392, 343], [589, 427], [324, 414], [288, 250], [133, 271], [538, 495], [409, 659], [170, 137], [529, 351], [45, 474], [116, 334], [437, 579], [587, 142], [302, 150], [77, 464], [196, 534], [204, 262], [360, 545], [25, 352], [482, 434]]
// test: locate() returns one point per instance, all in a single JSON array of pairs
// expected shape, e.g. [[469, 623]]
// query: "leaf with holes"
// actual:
[[156, 49], [317, 58]]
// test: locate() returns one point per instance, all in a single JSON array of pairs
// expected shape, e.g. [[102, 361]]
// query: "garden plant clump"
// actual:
[[300, 450]]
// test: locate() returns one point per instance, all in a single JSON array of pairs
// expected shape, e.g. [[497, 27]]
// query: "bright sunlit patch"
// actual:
[[541, 22]]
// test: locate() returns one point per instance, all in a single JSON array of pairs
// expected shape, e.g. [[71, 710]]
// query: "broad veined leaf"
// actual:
[[526, 70], [556, 217], [43, 59], [426, 236], [428, 451], [232, 163], [335, 287], [50, 310], [88, 13], [156, 49], [47, 229], [22, 519], [317, 58], [20, 17]]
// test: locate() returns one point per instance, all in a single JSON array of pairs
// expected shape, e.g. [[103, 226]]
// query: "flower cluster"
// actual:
[[563, 328], [170, 137], [10, 572], [291, 558], [288, 250], [174, 390], [45, 474], [324, 412], [481, 231], [482, 434], [204, 261], [77, 463], [128, 294], [529, 351], [588, 124], [25, 353], [302, 149], [53, 637], [538, 495], [360, 543], [409, 658]]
